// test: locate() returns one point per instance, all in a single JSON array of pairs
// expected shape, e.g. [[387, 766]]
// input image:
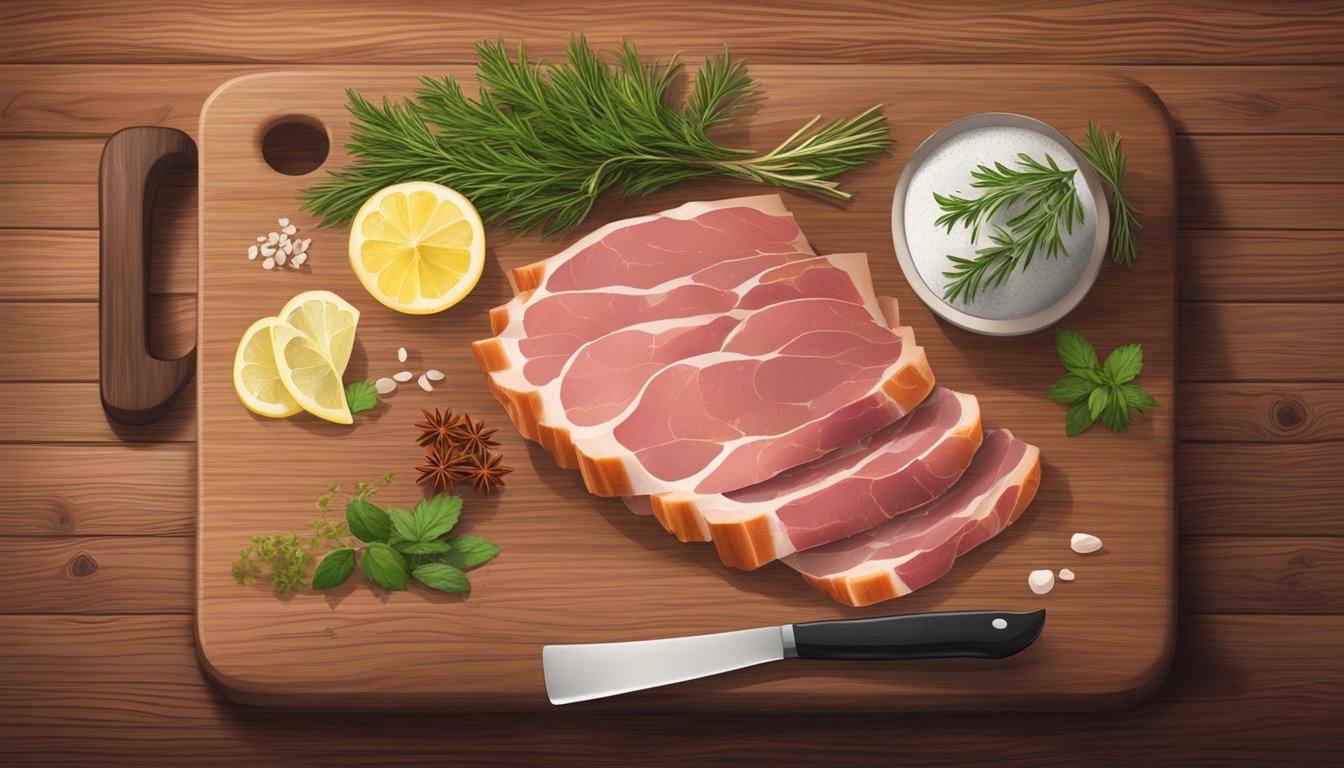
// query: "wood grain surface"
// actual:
[[261, 649], [1258, 460]]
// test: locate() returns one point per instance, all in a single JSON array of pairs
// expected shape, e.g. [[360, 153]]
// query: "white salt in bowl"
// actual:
[[1029, 300]]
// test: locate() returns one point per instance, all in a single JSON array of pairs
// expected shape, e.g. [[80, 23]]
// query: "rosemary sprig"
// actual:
[[541, 140], [1103, 152], [1051, 202]]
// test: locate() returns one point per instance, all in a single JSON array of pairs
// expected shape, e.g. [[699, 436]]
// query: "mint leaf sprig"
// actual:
[[1093, 390], [361, 396], [402, 545]]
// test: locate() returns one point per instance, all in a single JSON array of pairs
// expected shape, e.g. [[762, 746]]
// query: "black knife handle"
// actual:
[[978, 634]]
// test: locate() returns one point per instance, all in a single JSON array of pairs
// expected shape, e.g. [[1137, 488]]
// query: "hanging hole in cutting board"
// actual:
[[295, 145]]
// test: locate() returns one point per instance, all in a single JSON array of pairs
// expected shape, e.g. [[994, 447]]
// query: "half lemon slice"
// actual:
[[255, 376], [312, 339], [418, 247]]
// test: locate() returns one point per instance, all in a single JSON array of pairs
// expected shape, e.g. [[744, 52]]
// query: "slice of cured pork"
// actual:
[[917, 548], [679, 263], [898, 469]]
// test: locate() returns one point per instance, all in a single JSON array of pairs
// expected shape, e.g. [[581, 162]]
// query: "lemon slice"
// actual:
[[313, 338], [255, 376], [418, 247], [328, 320]]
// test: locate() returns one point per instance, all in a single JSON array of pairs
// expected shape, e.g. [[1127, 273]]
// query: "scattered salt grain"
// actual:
[[298, 260], [1065, 574], [1084, 543], [401, 354], [424, 383], [269, 263], [252, 253], [283, 221], [384, 385], [1041, 582], [288, 229], [280, 247], [273, 237], [434, 374], [403, 376]]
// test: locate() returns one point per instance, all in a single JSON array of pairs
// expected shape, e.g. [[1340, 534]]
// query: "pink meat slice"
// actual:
[[857, 487], [792, 382], [916, 549]]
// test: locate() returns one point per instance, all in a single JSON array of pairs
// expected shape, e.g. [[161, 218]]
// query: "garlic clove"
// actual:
[[269, 263], [434, 374], [1041, 582], [1066, 575], [384, 385], [424, 383], [282, 221], [403, 376], [1084, 543], [401, 354], [252, 253]]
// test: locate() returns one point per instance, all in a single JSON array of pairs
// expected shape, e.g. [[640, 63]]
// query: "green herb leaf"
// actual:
[[444, 578], [367, 521], [1097, 400], [334, 569], [1075, 352], [468, 551], [1070, 388], [1123, 364], [1079, 419], [436, 516], [403, 524], [431, 547], [361, 396], [384, 566], [1116, 414], [1137, 397]]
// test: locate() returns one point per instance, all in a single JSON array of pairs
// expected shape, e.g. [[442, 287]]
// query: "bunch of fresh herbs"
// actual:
[[1095, 390], [542, 140]]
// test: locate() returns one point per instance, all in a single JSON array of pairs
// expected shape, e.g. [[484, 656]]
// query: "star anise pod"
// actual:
[[488, 473], [442, 468], [438, 428], [472, 436]]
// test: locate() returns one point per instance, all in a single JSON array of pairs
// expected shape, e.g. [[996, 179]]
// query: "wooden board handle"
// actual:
[[136, 387]]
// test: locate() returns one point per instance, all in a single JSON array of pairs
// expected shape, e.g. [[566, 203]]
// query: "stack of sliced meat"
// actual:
[[708, 366]]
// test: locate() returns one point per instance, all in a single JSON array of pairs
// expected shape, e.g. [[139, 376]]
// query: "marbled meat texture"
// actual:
[[792, 362], [915, 549], [864, 484]]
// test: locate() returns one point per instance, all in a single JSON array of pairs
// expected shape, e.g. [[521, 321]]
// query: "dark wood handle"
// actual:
[[136, 387]]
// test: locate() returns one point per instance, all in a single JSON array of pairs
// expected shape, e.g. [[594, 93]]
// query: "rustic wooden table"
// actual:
[[97, 539]]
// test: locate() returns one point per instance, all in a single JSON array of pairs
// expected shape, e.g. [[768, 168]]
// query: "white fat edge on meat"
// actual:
[[600, 440], [980, 509], [770, 205], [553, 413]]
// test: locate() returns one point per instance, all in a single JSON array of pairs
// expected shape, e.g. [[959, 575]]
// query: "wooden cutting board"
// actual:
[[576, 568]]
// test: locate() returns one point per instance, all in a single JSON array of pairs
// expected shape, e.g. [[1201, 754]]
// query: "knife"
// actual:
[[581, 672]]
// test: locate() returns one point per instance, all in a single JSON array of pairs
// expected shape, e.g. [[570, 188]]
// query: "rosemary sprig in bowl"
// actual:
[[541, 141], [1051, 202]]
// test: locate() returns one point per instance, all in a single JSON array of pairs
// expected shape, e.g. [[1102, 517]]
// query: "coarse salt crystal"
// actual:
[[1065, 574], [401, 354], [1084, 543], [384, 385], [1041, 582], [434, 374], [424, 383], [403, 376]]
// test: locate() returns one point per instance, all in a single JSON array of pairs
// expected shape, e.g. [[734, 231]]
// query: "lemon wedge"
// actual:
[[312, 340], [255, 376], [418, 247]]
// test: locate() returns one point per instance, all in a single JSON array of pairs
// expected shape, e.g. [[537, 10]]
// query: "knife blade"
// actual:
[[577, 673]]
